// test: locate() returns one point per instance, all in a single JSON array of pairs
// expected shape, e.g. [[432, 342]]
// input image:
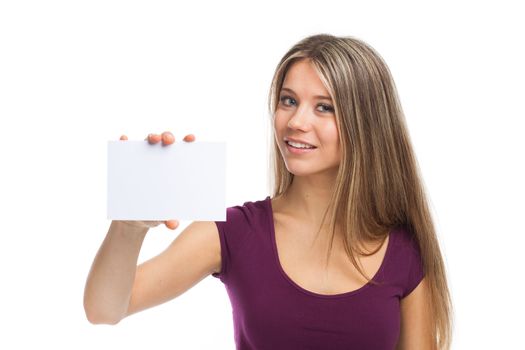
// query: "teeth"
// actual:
[[299, 145]]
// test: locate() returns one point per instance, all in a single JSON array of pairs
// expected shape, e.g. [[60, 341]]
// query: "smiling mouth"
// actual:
[[290, 145], [291, 150]]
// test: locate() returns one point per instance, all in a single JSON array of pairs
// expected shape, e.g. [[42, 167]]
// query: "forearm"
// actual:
[[109, 284]]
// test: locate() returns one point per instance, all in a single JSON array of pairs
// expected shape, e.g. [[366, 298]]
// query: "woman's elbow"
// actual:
[[98, 318]]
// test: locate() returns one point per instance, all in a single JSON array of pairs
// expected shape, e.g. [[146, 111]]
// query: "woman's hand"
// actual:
[[167, 139]]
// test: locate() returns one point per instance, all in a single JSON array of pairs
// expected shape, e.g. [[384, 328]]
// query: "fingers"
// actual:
[[172, 224], [167, 138], [189, 138], [153, 138]]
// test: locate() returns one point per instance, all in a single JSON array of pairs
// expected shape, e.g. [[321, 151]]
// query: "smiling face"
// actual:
[[304, 115]]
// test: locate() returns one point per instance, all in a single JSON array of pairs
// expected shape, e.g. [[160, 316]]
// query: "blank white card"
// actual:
[[181, 181]]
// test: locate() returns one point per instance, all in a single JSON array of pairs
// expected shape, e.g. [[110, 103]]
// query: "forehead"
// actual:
[[302, 78]]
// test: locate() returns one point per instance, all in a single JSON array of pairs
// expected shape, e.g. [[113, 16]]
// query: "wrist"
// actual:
[[129, 227]]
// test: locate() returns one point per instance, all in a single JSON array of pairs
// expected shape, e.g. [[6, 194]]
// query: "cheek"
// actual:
[[330, 133], [278, 128], [278, 116], [279, 122]]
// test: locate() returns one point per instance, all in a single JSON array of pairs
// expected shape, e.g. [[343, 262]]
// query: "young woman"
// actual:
[[370, 277]]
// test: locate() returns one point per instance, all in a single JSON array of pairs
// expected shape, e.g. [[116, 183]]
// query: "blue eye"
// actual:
[[284, 98], [327, 108]]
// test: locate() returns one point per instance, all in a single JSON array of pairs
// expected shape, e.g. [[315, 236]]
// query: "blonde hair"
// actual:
[[378, 185]]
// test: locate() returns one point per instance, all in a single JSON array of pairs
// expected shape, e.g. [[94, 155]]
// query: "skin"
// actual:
[[117, 288], [301, 115], [416, 320]]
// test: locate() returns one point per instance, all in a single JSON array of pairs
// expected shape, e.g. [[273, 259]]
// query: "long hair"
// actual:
[[378, 185]]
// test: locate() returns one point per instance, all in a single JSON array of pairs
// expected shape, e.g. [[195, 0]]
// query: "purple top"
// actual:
[[270, 311]]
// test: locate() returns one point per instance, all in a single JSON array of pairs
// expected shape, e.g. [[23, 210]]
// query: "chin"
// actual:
[[305, 170]]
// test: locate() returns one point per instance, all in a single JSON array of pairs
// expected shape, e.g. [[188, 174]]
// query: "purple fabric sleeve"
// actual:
[[416, 271], [232, 234], [224, 252]]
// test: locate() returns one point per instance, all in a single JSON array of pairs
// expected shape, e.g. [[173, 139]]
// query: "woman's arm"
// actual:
[[416, 322], [109, 283], [117, 288]]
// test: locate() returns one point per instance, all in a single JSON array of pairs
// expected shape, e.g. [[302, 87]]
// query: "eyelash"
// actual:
[[328, 107]]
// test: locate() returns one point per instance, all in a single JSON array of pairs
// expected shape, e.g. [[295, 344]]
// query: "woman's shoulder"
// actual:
[[404, 237], [248, 212], [405, 248], [407, 259]]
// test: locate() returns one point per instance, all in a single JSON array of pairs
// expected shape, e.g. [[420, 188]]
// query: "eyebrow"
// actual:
[[316, 96]]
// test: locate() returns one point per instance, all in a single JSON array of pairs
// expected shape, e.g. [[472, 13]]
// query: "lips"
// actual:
[[299, 151], [299, 141], [290, 145]]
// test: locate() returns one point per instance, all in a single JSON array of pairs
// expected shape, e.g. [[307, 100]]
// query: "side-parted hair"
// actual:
[[378, 185]]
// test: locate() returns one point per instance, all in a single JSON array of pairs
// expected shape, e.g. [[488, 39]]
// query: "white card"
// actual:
[[181, 181]]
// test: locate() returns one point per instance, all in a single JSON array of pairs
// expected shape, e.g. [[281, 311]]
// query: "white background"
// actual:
[[75, 74]]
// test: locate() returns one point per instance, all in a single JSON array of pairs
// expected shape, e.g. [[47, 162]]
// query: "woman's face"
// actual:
[[305, 113]]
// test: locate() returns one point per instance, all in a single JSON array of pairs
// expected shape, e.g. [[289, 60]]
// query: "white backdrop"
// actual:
[[75, 74]]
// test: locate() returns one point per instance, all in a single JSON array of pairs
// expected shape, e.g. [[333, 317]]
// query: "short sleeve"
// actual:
[[232, 238], [416, 270], [221, 226]]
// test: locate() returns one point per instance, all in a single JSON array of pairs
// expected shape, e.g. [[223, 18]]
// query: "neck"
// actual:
[[308, 197]]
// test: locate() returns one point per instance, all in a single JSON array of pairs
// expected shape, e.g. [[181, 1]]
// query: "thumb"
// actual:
[[172, 224]]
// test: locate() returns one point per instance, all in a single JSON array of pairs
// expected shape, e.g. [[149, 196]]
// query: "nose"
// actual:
[[300, 119]]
